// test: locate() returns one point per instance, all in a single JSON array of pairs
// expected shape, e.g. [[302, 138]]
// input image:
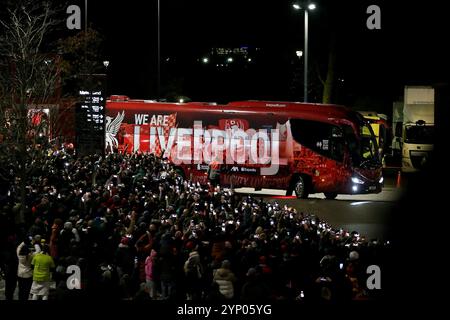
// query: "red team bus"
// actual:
[[298, 147]]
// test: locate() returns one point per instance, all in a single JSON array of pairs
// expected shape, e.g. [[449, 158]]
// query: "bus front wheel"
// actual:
[[330, 195]]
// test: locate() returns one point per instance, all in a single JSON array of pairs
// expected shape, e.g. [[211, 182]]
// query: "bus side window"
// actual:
[[337, 149], [323, 138]]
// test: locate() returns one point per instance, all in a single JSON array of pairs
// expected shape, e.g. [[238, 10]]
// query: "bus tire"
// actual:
[[290, 188], [330, 195], [300, 186]]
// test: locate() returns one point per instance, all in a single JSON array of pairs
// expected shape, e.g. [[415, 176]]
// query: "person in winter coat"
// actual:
[[225, 278], [193, 270], [149, 275], [67, 237], [56, 230], [254, 289], [124, 257], [37, 228], [214, 294], [166, 267], [24, 269]]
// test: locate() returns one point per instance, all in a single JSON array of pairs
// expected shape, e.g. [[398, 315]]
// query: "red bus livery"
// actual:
[[299, 147]]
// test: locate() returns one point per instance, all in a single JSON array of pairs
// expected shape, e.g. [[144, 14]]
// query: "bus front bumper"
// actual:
[[359, 186]]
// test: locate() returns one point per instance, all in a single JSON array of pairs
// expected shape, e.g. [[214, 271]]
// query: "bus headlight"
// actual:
[[357, 180]]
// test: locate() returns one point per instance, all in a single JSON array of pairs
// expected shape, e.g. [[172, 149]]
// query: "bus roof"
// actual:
[[310, 111]]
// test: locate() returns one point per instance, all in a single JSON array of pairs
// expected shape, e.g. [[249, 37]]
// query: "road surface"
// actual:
[[367, 214]]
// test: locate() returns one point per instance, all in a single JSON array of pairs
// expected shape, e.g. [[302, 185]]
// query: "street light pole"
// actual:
[[105, 87], [85, 14], [158, 91], [85, 31], [306, 8], [305, 76]]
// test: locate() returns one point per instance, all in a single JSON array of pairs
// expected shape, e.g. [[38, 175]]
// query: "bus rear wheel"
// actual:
[[300, 187], [330, 195]]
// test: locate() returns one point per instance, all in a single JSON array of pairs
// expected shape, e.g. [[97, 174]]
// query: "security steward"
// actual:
[[214, 172]]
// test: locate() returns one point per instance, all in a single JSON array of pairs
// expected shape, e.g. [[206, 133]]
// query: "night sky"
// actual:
[[375, 64]]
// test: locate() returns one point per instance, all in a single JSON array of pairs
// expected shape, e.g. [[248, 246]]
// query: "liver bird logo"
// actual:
[[112, 128]]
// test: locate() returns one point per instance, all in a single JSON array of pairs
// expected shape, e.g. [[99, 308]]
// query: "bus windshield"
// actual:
[[332, 140], [363, 151]]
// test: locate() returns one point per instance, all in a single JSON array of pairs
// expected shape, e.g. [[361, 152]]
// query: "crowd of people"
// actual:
[[138, 230]]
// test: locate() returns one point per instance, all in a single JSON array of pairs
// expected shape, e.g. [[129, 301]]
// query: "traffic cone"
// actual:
[[399, 178]]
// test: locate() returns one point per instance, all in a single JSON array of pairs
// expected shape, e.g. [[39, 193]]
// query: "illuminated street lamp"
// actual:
[[311, 7], [106, 64], [205, 60], [299, 53]]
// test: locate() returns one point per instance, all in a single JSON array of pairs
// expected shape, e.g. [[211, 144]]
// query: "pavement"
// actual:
[[388, 194], [391, 190], [368, 214]]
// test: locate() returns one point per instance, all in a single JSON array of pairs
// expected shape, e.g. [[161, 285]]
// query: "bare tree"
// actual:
[[28, 80], [80, 56]]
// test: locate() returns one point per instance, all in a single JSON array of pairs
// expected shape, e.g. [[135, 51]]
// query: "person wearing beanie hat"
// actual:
[[226, 264], [259, 230], [124, 257], [68, 225], [254, 289], [67, 236], [265, 269], [194, 274], [125, 241], [251, 272], [190, 245], [37, 243], [353, 256]]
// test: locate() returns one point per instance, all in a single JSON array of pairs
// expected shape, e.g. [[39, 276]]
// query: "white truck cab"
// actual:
[[418, 127]]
